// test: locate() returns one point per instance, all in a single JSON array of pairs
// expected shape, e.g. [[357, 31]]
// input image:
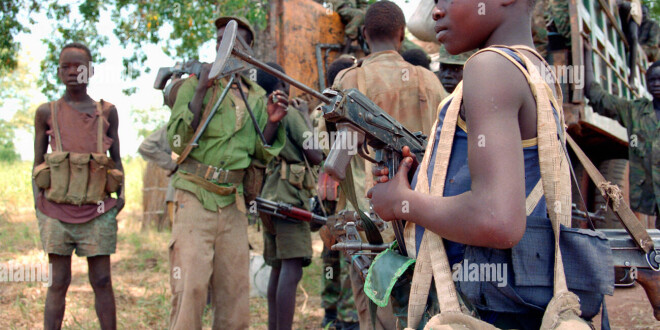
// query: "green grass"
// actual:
[[140, 267]]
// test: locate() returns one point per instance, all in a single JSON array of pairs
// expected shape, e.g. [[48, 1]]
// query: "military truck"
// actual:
[[603, 139]]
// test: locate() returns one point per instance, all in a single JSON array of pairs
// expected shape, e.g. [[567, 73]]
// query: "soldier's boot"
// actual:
[[330, 318], [348, 325], [650, 281]]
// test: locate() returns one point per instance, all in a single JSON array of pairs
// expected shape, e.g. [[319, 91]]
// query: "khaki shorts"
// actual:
[[291, 240], [92, 238]]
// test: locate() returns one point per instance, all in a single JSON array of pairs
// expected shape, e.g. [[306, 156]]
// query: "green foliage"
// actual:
[[138, 23], [67, 29], [9, 26], [7, 148], [148, 120]]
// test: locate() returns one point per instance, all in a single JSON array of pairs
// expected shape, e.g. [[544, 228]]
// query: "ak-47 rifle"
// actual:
[[345, 226], [287, 211], [351, 112], [625, 253]]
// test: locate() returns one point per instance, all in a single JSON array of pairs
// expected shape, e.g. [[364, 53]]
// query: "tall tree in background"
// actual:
[[138, 22]]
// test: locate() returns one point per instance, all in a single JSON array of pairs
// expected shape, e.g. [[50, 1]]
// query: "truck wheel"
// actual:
[[615, 171], [583, 181]]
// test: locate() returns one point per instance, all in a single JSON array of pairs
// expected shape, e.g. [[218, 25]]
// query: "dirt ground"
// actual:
[[140, 281], [629, 309]]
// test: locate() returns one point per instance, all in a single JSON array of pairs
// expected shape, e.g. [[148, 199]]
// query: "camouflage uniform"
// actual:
[[337, 293], [351, 13], [649, 38], [639, 118]]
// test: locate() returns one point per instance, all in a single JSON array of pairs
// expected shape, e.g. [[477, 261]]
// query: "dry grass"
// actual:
[[139, 268]]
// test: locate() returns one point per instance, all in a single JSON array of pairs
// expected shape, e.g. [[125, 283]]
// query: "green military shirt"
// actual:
[[639, 118], [229, 142], [286, 187]]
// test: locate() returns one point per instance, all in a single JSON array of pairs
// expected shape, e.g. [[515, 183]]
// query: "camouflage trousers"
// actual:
[[336, 282]]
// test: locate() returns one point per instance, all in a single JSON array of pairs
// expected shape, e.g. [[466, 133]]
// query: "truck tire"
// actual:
[[615, 171]]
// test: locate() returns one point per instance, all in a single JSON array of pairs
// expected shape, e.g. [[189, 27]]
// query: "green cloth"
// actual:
[[282, 190], [97, 237], [230, 141], [638, 117], [292, 239]]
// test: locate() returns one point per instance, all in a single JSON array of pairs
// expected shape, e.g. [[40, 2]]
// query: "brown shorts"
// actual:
[[92, 238]]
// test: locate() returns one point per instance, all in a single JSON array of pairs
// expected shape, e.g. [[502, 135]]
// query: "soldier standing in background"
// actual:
[[408, 93], [641, 118], [209, 232], [451, 68], [337, 295], [289, 179]]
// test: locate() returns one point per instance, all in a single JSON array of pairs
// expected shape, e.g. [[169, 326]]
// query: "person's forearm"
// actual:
[[270, 132], [463, 218]]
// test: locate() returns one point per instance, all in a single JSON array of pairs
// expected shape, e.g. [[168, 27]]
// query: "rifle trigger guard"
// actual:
[[653, 258]]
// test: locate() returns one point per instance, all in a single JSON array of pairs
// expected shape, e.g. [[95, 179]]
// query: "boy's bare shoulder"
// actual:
[[491, 81], [43, 111]]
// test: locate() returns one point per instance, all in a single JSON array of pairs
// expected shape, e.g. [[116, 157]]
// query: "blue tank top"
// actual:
[[458, 178]]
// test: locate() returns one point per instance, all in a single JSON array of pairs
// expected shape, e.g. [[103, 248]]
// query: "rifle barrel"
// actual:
[[250, 59]]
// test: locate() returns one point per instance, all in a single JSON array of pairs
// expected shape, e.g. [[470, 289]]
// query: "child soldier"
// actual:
[[485, 156], [451, 68], [209, 232], [408, 93], [74, 211], [288, 243]]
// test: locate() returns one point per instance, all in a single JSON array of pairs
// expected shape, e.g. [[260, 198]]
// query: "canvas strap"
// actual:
[[553, 163], [555, 182], [56, 127], [99, 132], [618, 205], [432, 261], [205, 114]]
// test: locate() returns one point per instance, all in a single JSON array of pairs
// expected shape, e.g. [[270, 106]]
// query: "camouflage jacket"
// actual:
[[638, 117]]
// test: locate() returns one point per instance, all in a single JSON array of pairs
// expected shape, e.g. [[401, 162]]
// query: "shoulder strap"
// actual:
[[205, 114], [618, 205], [99, 132], [56, 128], [432, 261]]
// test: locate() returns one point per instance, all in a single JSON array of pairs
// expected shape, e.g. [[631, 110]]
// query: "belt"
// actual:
[[212, 173]]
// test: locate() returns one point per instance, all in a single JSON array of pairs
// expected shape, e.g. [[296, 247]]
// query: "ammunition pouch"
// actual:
[[297, 174], [114, 179], [41, 176], [253, 180], [58, 162], [77, 178]]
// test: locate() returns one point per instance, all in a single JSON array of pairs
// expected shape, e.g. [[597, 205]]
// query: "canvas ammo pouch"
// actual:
[[41, 175], [58, 162], [587, 258], [77, 178], [297, 175], [253, 180]]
